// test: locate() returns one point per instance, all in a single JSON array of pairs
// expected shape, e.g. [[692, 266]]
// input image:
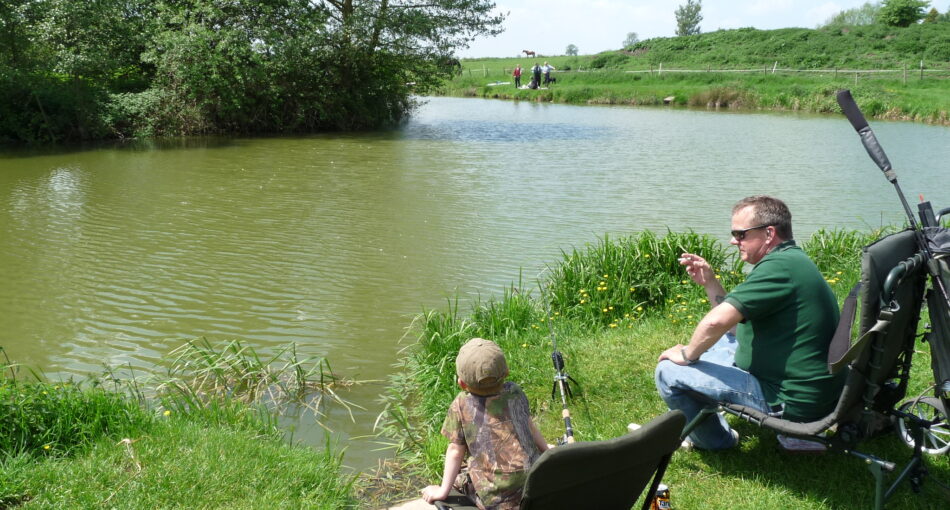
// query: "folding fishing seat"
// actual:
[[607, 475], [878, 361]]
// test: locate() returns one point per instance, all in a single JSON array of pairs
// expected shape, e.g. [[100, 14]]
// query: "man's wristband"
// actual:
[[686, 358]]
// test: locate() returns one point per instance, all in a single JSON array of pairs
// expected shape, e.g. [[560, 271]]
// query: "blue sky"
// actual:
[[548, 26]]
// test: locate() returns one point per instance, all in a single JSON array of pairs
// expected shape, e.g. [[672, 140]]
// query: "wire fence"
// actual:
[[905, 73]]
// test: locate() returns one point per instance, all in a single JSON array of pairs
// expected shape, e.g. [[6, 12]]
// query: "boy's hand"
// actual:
[[434, 493]]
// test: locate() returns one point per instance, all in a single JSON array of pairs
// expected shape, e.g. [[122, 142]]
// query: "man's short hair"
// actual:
[[768, 210]]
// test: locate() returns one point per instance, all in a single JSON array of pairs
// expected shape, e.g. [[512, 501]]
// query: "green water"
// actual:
[[115, 255]]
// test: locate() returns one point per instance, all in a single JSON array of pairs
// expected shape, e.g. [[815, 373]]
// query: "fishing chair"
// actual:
[[878, 363], [608, 475]]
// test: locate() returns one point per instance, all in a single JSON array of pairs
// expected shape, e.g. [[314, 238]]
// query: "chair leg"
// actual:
[[703, 414]]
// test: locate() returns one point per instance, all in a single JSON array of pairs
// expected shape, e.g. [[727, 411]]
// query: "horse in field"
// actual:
[[528, 53]]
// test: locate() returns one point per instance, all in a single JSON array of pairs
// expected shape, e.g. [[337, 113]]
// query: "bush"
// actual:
[[44, 418]]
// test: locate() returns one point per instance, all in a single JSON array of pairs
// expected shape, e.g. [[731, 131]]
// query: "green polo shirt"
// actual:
[[790, 316]]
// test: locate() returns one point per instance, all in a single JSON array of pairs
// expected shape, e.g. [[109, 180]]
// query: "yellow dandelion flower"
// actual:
[[610, 307], [703, 300], [684, 282], [689, 316], [605, 310], [718, 277], [626, 315], [839, 272], [167, 413], [557, 313], [646, 256], [613, 325], [639, 308], [44, 392], [678, 296], [583, 301], [46, 447], [606, 276], [524, 345]]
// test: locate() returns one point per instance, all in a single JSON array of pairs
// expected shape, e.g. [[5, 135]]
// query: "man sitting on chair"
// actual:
[[785, 314]]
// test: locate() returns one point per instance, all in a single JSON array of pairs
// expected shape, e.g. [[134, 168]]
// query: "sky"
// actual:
[[549, 26]]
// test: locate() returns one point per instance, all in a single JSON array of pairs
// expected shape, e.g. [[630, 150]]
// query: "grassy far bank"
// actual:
[[810, 65], [611, 331]]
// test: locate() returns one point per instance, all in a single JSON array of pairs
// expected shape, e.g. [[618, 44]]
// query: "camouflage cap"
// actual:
[[481, 366]]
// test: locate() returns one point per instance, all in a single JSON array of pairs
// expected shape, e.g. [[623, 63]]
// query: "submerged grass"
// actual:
[[205, 374], [613, 367]]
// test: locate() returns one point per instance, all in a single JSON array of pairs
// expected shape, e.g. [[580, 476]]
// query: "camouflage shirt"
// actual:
[[496, 431]]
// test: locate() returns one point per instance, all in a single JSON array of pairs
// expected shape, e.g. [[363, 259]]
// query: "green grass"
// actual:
[[614, 370], [203, 439]]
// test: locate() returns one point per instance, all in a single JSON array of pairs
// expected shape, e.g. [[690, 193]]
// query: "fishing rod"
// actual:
[[854, 115], [561, 380], [940, 322]]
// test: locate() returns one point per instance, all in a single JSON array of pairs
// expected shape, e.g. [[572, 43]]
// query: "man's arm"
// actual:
[[716, 323], [702, 273]]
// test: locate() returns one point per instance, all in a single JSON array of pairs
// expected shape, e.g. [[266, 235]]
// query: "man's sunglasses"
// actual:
[[740, 234]]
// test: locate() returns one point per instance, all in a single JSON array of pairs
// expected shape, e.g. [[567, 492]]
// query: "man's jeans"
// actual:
[[716, 376]]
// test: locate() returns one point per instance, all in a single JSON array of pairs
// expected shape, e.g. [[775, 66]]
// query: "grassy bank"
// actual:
[[894, 73], [198, 438], [615, 306]]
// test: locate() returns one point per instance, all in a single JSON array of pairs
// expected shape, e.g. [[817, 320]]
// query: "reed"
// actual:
[[203, 374], [614, 283]]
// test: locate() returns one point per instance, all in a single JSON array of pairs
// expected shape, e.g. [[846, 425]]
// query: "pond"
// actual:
[[115, 255]]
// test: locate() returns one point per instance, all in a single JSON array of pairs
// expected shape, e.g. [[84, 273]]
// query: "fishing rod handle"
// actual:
[[851, 110], [860, 124]]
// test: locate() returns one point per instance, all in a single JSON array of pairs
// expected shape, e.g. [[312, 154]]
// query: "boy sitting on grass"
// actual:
[[490, 420]]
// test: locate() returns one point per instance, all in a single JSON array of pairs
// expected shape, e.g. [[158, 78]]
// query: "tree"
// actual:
[[901, 13], [864, 15], [932, 16], [688, 17], [631, 40], [571, 50]]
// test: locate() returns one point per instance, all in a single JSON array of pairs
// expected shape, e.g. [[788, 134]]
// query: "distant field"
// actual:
[[894, 73]]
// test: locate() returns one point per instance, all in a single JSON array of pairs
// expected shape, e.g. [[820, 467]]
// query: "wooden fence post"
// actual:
[[660, 72], [921, 69], [836, 72], [905, 73]]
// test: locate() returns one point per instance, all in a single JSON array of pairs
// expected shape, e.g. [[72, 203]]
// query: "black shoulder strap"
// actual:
[[841, 341]]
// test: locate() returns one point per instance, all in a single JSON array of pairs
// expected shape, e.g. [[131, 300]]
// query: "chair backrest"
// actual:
[[605, 475], [890, 311]]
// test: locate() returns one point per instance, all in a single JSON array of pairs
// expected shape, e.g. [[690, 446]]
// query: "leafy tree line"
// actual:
[[895, 13], [90, 69]]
